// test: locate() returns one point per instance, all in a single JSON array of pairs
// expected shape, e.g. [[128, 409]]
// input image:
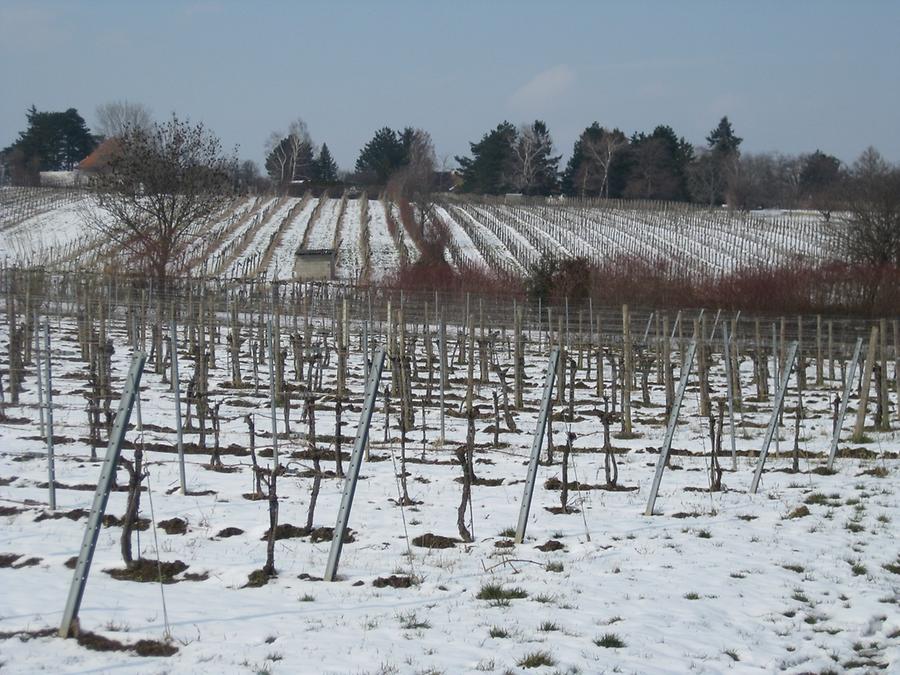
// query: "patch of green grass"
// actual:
[[852, 501], [799, 569], [816, 498], [747, 518], [738, 575], [799, 596], [497, 632], [856, 528], [544, 599], [548, 627], [508, 532], [858, 568], [410, 621], [733, 654], [307, 598], [894, 567], [554, 567], [883, 518], [610, 641], [493, 591], [791, 613], [704, 534], [536, 660], [691, 596]]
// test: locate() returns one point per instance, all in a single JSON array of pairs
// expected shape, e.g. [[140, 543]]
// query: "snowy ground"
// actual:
[[263, 236], [282, 264], [349, 260], [322, 234], [503, 237], [49, 235], [718, 582], [385, 258]]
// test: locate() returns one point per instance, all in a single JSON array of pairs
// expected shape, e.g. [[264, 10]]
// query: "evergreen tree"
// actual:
[[819, 172], [491, 167], [659, 166], [710, 176], [53, 141], [723, 140], [325, 169], [385, 153]]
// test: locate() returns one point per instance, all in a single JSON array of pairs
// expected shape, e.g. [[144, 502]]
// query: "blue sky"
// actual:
[[792, 76]]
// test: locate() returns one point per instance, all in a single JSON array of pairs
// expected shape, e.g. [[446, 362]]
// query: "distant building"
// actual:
[[99, 159], [314, 264], [61, 179]]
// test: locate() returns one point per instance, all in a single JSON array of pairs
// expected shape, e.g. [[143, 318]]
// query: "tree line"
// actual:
[[604, 162], [179, 159]]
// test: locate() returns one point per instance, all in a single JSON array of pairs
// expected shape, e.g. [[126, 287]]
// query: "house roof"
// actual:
[[101, 155]]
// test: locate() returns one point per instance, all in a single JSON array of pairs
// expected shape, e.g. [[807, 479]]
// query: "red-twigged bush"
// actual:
[[834, 288], [439, 276], [831, 288]]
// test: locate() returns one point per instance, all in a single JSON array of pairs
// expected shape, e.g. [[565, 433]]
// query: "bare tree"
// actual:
[[289, 156], [705, 177], [869, 231], [534, 169], [158, 192], [414, 181], [599, 152], [114, 118]]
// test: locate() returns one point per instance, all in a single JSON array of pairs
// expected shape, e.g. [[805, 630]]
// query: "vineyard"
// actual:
[[257, 237], [561, 490]]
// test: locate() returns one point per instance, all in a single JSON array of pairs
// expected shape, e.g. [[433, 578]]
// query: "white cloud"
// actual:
[[543, 89]]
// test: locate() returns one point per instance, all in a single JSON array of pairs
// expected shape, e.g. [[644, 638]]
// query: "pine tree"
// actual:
[[723, 140], [384, 154], [491, 167], [325, 169], [53, 141], [659, 167]]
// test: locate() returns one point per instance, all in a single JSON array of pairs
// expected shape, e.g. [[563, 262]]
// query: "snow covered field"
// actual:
[[282, 264], [322, 234], [49, 235], [803, 577], [385, 257], [507, 237], [349, 260]]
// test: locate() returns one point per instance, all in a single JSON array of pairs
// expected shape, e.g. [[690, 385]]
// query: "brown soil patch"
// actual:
[[430, 540], [230, 532], [393, 581], [146, 570], [173, 526], [551, 545]]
